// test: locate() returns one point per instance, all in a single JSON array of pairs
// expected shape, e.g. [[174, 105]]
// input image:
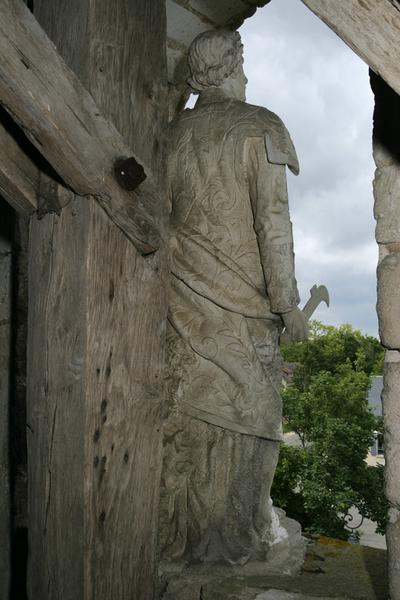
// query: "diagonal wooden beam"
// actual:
[[62, 120], [19, 176], [370, 27]]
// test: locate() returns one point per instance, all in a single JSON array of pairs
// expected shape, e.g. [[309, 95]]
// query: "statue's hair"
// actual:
[[214, 56]]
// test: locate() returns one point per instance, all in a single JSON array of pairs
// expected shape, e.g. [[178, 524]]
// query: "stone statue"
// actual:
[[232, 290]]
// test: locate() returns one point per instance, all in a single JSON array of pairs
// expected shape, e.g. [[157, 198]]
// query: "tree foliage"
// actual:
[[327, 406], [330, 347]]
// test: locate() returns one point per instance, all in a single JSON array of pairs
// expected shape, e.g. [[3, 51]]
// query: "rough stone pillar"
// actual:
[[386, 147]]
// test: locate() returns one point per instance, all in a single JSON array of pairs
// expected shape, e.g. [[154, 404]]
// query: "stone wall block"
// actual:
[[222, 13], [184, 25], [388, 306], [387, 204], [383, 156], [393, 543], [391, 414]]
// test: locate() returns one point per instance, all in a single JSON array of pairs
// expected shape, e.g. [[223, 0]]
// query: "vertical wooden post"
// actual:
[[6, 242], [387, 213], [96, 334]]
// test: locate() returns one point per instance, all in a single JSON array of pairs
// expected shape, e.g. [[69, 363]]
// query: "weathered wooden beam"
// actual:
[[370, 27], [62, 120], [96, 333], [6, 244], [19, 176]]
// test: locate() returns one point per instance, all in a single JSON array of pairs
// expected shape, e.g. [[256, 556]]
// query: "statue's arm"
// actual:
[[269, 199]]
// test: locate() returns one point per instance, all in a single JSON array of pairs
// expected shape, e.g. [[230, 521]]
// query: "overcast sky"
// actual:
[[301, 70]]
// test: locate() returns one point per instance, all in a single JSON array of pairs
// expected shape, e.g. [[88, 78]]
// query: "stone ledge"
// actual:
[[332, 569]]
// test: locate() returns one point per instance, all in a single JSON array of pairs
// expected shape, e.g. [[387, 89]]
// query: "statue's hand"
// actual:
[[296, 325]]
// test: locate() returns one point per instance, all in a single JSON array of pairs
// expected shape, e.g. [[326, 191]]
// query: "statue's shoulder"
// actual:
[[179, 131], [183, 121], [258, 114], [257, 121], [243, 121]]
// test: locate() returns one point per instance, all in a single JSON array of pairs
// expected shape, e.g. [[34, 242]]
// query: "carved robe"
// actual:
[[231, 261], [232, 274]]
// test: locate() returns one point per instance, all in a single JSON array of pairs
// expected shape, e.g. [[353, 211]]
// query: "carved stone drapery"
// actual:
[[232, 283]]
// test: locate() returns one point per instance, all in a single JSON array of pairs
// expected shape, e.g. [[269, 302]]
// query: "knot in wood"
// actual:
[[129, 173]]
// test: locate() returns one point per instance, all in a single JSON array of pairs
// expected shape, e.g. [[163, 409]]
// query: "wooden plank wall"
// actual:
[[96, 334], [6, 246]]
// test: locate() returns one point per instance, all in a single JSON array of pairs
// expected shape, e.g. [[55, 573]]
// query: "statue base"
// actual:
[[286, 553]]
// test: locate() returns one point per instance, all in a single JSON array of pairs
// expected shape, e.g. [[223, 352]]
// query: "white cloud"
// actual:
[[302, 71]]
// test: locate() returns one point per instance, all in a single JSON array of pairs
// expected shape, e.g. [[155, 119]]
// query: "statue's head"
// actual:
[[216, 60]]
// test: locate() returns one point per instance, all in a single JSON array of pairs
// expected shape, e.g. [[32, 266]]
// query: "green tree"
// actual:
[[329, 347], [327, 406]]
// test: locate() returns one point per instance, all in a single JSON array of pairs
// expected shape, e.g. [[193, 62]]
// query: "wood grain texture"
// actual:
[[128, 79], [62, 120], [6, 242], [18, 175], [370, 27], [56, 402], [126, 304], [112, 351]]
